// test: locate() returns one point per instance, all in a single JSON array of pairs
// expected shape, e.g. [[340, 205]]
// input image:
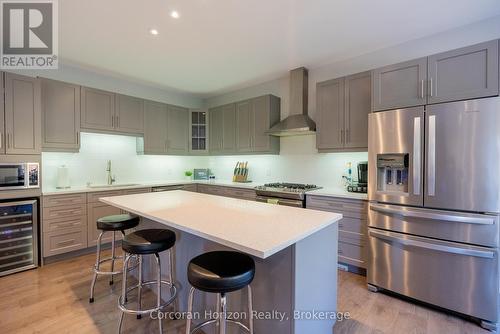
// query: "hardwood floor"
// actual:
[[54, 299]]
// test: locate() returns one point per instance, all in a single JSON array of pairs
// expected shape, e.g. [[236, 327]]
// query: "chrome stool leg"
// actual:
[[223, 315], [158, 293], [190, 310], [113, 258], [96, 267], [250, 309], [139, 288], [124, 287]]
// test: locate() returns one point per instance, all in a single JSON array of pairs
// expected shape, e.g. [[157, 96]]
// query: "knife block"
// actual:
[[240, 178], [241, 172]]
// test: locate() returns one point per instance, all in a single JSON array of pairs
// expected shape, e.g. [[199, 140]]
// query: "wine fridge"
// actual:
[[18, 236]]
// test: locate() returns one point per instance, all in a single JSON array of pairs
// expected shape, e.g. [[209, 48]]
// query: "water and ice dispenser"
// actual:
[[392, 173]]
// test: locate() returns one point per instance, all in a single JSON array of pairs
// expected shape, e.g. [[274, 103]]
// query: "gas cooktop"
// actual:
[[285, 190]]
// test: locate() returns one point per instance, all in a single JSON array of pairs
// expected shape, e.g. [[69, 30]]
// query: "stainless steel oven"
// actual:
[[22, 175], [281, 201]]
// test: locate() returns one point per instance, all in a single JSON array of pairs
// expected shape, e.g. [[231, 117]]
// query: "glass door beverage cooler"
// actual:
[[18, 236]]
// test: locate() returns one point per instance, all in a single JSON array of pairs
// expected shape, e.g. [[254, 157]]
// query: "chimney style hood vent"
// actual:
[[298, 123]]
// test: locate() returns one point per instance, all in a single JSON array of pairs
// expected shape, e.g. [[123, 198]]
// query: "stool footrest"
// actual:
[[173, 295], [212, 321]]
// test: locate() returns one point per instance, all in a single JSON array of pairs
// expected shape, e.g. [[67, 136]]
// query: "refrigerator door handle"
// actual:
[[431, 246], [431, 158], [452, 218], [417, 155]]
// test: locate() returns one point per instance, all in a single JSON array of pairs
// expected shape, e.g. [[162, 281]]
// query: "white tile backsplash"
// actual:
[[298, 162]]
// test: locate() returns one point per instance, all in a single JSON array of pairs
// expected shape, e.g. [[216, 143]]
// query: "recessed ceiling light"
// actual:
[[153, 32], [174, 14]]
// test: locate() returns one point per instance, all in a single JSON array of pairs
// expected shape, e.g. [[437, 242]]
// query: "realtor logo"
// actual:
[[29, 34]]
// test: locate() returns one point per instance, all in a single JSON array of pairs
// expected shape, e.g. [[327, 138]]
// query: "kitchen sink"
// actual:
[[116, 185]]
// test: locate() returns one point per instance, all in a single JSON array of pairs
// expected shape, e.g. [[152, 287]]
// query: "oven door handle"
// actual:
[[430, 246], [466, 219], [280, 201]]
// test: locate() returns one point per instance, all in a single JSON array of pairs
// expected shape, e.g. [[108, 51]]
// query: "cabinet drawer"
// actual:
[[352, 253], [65, 211], [348, 208], [94, 197], [213, 190], [64, 241], [57, 200], [353, 225], [53, 225], [135, 191], [241, 193], [190, 187]]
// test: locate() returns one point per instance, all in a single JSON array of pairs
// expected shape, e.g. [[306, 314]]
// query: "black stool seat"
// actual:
[[117, 222], [148, 241], [221, 271]]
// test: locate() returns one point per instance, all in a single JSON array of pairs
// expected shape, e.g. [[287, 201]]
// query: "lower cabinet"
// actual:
[[234, 192], [352, 227], [94, 212]]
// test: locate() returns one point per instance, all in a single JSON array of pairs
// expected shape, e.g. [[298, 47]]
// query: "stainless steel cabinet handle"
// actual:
[[424, 214], [417, 149], [430, 246], [431, 93], [341, 136], [347, 139], [117, 121], [1, 140], [78, 138], [422, 88], [112, 121], [431, 158]]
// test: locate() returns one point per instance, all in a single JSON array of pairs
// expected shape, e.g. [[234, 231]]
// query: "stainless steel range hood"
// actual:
[[298, 123]]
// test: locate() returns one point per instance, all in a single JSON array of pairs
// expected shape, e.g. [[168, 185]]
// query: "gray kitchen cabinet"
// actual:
[[330, 108], [357, 107], [97, 109], [215, 130], [129, 114], [400, 85], [60, 116], [22, 114], [155, 128], [223, 129], [95, 211], [466, 73], [178, 130], [2, 114], [352, 227], [245, 125]]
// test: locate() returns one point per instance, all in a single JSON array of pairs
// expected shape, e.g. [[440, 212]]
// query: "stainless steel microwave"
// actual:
[[19, 175]]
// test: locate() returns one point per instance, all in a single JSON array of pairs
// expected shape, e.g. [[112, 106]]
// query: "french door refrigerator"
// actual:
[[434, 191]]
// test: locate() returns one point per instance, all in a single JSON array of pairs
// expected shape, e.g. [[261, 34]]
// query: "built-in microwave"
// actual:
[[22, 175]]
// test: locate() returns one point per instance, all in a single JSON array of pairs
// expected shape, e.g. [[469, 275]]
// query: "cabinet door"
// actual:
[[229, 128], [94, 212], [216, 126], [357, 108], [155, 128], [261, 141], [60, 116], [466, 73], [245, 125], [177, 130], [129, 114], [2, 115], [22, 114], [97, 109], [400, 85], [330, 107]]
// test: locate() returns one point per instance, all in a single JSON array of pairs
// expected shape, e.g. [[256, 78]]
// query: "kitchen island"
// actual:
[[295, 250]]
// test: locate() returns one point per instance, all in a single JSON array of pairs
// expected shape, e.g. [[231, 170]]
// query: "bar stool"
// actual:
[[140, 243], [221, 272], [110, 224]]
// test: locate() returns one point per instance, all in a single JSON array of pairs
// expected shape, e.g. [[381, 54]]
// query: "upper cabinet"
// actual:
[[198, 132], [60, 116], [166, 129], [129, 114], [178, 130], [22, 114], [242, 127], [97, 109], [109, 112], [222, 132], [466, 73], [400, 85], [343, 106]]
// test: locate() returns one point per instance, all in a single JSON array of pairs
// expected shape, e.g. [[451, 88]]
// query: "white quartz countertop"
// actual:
[[338, 192], [258, 229], [137, 185]]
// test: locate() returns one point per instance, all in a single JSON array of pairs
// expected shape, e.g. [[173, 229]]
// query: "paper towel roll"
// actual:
[[62, 177]]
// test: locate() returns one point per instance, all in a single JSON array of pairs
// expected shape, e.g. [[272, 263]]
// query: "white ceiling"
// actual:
[[219, 45]]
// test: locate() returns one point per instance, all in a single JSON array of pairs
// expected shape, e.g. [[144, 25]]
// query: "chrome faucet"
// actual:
[[111, 178]]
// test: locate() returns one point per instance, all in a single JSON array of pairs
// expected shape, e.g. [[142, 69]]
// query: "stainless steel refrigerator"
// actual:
[[434, 191]]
